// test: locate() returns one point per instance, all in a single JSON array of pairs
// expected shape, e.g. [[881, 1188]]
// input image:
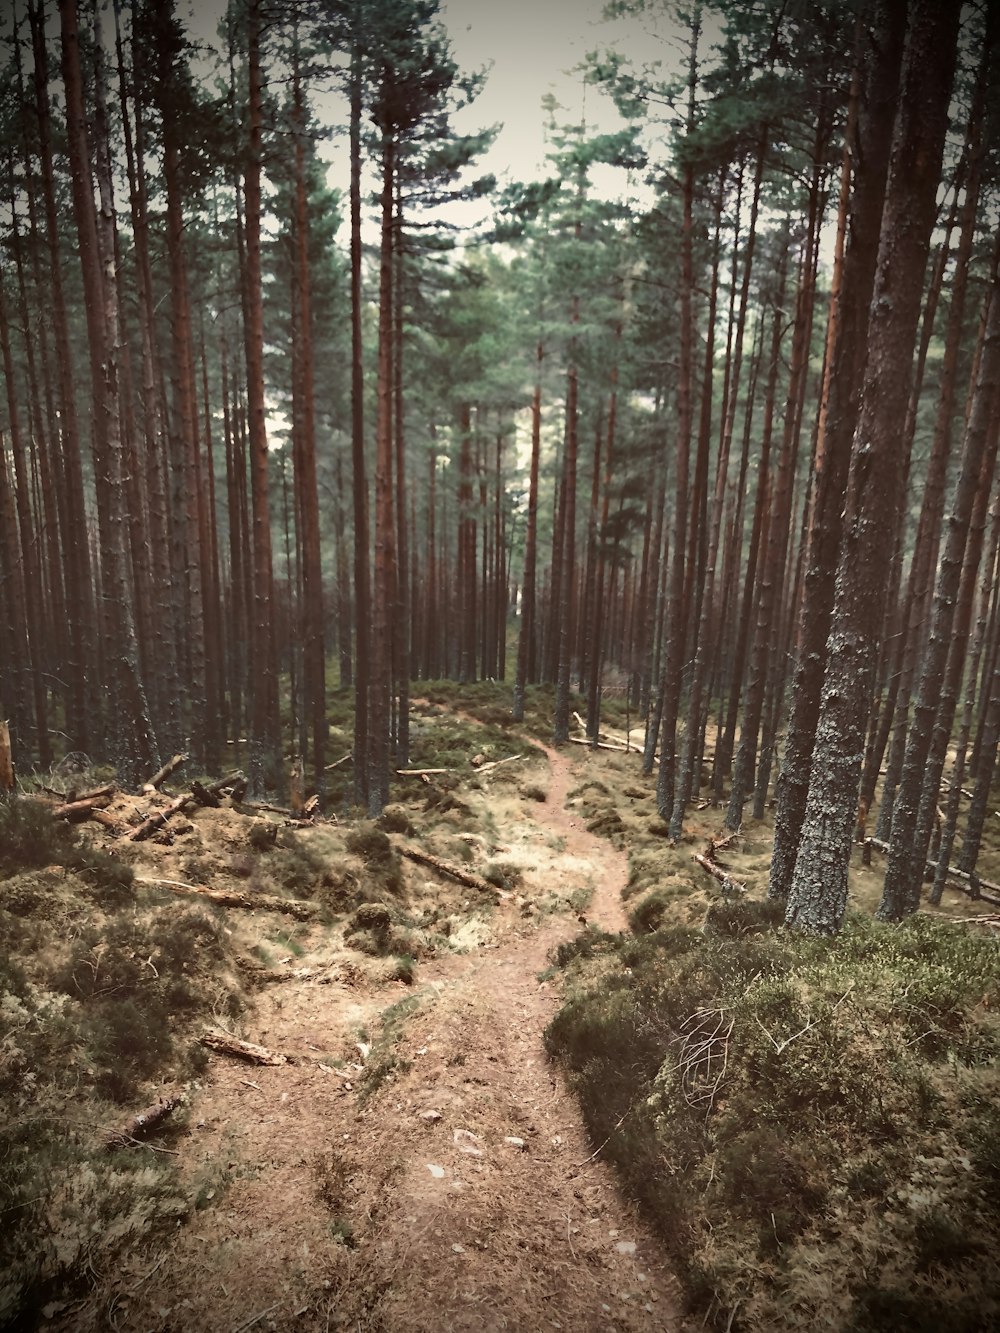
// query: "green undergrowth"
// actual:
[[811, 1125], [30, 839], [99, 1002], [384, 1062]]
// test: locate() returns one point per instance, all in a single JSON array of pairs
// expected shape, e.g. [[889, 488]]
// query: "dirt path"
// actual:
[[462, 1195]]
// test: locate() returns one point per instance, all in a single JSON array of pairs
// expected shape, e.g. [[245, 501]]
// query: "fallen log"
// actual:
[[109, 822], [260, 975], [420, 772], [729, 884], [82, 809], [108, 789], [451, 871], [241, 1050], [161, 775], [143, 1123], [978, 889], [263, 902], [601, 745], [161, 817]]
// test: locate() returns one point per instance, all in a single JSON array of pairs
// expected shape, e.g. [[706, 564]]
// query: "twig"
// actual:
[[577, 1165], [337, 762], [255, 1319], [511, 759], [159, 1264]]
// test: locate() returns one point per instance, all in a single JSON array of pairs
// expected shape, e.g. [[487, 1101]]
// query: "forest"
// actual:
[[672, 476]]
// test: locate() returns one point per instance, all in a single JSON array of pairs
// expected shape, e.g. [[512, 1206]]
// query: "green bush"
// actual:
[[30, 839], [380, 857], [649, 912]]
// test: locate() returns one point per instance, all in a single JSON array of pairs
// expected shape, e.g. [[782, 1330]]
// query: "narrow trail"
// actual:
[[466, 1188]]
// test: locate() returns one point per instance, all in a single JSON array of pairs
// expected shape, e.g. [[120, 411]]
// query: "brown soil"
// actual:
[[460, 1193]]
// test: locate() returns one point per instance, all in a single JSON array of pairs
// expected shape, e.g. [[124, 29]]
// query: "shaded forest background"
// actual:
[[730, 455]]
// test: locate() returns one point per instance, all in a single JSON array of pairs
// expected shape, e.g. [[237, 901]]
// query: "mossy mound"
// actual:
[[810, 1124]]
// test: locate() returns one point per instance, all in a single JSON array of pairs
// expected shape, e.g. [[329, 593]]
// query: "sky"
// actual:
[[530, 48]]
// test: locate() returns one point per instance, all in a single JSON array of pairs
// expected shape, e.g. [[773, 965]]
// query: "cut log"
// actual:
[[979, 889], [451, 871], [158, 778], [82, 809], [729, 884], [143, 1123], [6, 759], [241, 1050], [251, 902]]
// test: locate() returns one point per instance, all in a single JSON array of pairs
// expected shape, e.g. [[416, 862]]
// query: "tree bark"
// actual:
[[818, 891]]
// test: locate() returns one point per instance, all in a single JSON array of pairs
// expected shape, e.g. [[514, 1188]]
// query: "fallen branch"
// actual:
[[511, 759], [452, 871], [82, 809], [420, 772], [262, 902], [107, 789], [143, 1123], [241, 1050], [727, 881], [337, 762], [204, 797], [157, 820], [161, 775], [109, 822], [980, 889], [601, 745], [260, 975]]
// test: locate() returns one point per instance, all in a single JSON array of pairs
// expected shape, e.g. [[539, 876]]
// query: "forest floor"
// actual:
[[461, 1192], [416, 1160]]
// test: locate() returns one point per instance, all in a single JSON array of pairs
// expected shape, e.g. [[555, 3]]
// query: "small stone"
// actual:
[[458, 1249], [626, 1247], [436, 1171], [516, 1142], [430, 1116]]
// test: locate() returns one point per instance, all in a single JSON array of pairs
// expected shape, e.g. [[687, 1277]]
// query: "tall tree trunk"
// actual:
[[959, 564], [380, 688], [670, 688], [80, 720], [359, 477], [526, 633], [264, 769], [846, 347], [818, 891], [307, 497]]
